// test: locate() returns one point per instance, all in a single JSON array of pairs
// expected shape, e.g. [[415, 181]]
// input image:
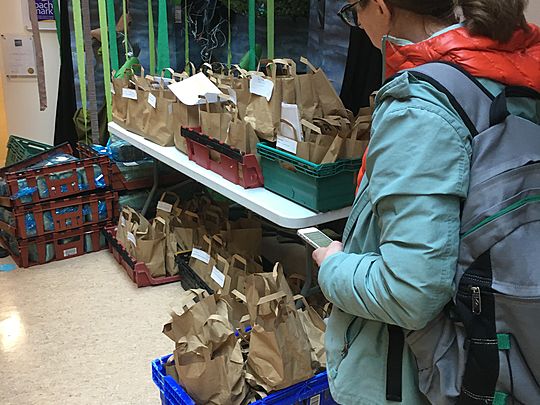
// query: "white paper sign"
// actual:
[[291, 114], [200, 255], [131, 238], [287, 144], [152, 100], [163, 206], [188, 91], [129, 93], [261, 87], [70, 252], [218, 276]]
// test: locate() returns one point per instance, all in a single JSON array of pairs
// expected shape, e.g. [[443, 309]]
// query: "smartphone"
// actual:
[[314, 237]]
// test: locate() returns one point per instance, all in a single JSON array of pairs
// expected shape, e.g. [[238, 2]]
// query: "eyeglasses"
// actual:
[[349, 14]]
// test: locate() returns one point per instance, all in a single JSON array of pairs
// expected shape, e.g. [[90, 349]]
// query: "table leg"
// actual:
[[153, 190], [306, 289]]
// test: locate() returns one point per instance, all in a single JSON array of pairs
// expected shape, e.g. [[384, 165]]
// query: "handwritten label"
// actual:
[[287, 144], [152, 100], [200, 255], [131, 238], [70, 252], [163, 206], [218, 276], [261, 87], [129, 93]]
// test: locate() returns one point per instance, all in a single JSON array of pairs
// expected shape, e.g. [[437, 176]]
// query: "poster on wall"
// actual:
[[45, 14], [18, 55]]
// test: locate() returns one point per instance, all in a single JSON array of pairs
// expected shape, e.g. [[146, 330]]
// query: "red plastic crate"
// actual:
[[137, 271], [58, 188], [231, 164], [62, 221], [118, 181], [66, 245]]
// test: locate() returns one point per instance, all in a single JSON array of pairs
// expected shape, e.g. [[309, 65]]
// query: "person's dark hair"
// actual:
[[496, 19]]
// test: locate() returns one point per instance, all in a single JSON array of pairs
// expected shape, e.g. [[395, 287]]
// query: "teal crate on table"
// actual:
[[314, 391], [20, 149], [320, 187]]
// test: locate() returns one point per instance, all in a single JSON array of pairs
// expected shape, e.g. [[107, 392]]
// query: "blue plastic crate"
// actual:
[[314, 391]]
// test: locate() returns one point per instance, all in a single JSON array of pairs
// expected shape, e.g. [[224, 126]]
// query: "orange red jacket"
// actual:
[[514, 63]]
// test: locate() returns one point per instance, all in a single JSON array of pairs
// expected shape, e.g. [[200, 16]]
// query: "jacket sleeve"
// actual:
[[418, 172]]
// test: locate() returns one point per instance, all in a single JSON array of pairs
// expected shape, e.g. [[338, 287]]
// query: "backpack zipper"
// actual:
[[507, 210]]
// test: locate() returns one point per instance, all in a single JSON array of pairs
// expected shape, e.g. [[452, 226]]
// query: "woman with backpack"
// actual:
[[392, 336]]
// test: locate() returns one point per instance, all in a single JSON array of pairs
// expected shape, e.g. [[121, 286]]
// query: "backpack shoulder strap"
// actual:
[[471, 100]]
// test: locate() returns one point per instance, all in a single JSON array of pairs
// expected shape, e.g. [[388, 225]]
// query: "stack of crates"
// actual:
[[57, 210]]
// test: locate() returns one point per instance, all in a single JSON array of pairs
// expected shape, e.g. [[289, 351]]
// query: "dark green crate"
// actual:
[[323, 187], [20, 149]]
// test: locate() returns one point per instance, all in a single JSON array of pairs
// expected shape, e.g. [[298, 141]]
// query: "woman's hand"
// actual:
[[322, 253]]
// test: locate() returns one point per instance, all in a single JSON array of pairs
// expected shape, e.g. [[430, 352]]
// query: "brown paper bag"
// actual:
[[119, 102], [215, 120], [327, 96], [208, 357], [167, 205], [124, 225], [138, 109], [277, 352], [356, 144], [211, 366], [201, 260], [151, 248], [172, 224], [219, 280], [315, 329], [237, 80], [135, 223], [187, 233], [263, 115], [189, 313], [244, 237], [161, 126], [242, 136]]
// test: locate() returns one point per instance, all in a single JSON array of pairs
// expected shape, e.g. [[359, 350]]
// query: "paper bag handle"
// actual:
[[284, 121], [174, 195], [277, 296], [306, 62], [239, 259]]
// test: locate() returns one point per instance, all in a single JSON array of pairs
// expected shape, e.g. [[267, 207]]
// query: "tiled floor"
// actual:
[[80, 332]]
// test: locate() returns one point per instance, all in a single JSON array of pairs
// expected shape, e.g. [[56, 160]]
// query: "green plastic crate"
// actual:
[[20, 149], [323, 187]]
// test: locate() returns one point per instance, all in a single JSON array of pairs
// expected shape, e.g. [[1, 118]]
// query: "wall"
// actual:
[[533, 12], [21, 95]]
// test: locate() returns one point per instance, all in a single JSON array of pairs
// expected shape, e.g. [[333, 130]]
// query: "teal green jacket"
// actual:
[[401, 240]]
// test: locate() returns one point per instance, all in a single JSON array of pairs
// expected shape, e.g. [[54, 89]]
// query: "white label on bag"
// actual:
[[163, 206], [287, 144], [70, 252], [218, 277], [262, 87], [316, 400], [152, 100], [130, 164], [200, 255], [131, 238], [122, 221], [129, 93]]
